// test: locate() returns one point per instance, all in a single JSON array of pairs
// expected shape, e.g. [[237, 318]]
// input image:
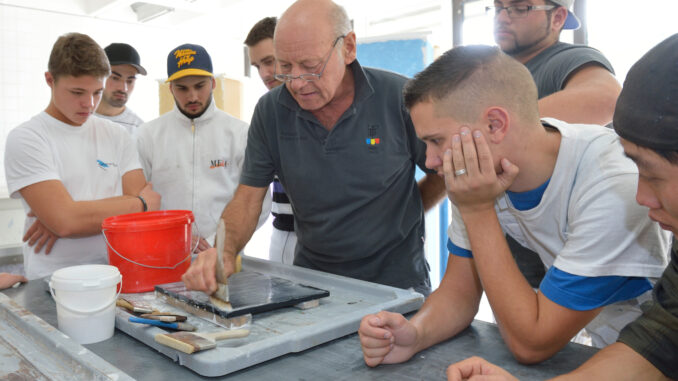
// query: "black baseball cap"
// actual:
[[647, 108], [123, 54]]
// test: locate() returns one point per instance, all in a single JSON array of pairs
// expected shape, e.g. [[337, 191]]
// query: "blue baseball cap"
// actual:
[[571, 22], [188, 59]]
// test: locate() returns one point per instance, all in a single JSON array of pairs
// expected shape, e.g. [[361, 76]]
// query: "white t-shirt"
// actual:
[[195, 164], [127, 119], [89, 160], [587, 222]]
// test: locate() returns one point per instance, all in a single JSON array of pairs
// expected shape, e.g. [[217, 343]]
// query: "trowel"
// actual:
[[220, 297]]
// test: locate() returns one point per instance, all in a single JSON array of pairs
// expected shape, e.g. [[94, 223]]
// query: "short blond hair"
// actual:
[[465, 80]]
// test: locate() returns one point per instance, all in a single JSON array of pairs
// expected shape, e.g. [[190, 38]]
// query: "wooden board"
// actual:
[[250, 293]]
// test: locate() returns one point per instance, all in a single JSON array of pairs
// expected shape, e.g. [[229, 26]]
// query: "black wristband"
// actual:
[[143, 202]]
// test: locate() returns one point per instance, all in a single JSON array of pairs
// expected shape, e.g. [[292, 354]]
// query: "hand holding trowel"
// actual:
[[220, 298]]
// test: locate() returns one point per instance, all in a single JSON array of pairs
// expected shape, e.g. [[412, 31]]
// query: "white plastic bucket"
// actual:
[[85, 299]]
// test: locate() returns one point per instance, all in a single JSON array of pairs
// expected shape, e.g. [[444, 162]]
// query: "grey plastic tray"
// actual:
[[31, 349], [286, 330]]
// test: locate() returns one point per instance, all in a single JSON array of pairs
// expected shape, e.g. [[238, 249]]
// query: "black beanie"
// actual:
[[647, 109]]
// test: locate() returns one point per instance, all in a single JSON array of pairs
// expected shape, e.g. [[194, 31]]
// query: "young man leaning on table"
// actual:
[[646, 118], [72, 170], [564, 191]]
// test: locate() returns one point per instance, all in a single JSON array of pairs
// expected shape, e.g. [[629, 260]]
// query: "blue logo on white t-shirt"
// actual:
[[103, 165]]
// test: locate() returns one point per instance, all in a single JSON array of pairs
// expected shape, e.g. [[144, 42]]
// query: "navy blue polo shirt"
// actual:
[[358, 211]]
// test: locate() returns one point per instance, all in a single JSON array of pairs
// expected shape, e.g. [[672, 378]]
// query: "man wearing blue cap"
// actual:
[[575, 83], [193, 154], [125, 65]]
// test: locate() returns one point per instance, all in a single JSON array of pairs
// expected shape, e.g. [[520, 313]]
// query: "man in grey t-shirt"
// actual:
[[125, 65], [575, 83], [344, 147]]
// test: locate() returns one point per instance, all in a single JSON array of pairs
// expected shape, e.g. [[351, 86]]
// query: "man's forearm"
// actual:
[[84, 218], [451, 307], [513, 301], [615, 362], [589, 96], [432, 190], [241, 216]]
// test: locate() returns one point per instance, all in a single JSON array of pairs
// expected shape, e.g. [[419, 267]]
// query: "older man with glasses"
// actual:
[[343, 145]]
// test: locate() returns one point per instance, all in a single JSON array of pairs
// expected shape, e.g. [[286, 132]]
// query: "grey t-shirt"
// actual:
[[356, 203], [654, 335], [551, 68], [127, 119]]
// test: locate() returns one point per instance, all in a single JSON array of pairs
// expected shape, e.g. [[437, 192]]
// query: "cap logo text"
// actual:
[[184, 56]]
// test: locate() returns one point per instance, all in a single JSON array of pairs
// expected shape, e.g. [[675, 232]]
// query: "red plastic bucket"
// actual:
[[149, 248]]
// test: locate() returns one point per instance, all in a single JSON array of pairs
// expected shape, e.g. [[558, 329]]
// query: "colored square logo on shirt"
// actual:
[[372, 142]]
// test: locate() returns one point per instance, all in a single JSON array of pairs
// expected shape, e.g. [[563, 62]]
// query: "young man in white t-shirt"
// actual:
[[564, 191], [71, 170]]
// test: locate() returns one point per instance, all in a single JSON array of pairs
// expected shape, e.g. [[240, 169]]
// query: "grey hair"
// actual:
[[339, 17]]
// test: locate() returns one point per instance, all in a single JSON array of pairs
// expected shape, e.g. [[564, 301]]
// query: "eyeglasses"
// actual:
[[309, 77], [517, 11]]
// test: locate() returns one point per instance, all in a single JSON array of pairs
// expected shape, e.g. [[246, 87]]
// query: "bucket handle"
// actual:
[[90, 312], [103, 232]]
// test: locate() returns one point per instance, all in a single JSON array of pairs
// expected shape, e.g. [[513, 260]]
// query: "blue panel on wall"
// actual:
[[406, 57]]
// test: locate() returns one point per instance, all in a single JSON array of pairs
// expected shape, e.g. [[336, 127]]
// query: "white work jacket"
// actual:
[[195, 164]]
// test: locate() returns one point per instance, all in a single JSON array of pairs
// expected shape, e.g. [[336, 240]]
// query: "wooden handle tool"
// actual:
[[133, 307], [178, 326], [190, 342], [222, 280], [220, 298], [169, 318]]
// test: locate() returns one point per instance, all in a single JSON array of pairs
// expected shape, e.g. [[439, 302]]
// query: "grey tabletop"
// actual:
[[339, 359]]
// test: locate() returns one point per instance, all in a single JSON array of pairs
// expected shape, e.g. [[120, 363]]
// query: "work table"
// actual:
[[340, 359]]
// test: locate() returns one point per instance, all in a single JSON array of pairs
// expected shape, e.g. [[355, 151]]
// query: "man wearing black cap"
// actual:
[[193, 154], [125, 65], [646, 118]]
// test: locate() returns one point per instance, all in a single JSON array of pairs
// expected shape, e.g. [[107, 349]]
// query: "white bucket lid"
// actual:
[[85, 277]]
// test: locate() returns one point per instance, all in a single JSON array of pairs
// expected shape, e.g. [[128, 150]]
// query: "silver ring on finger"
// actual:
[[460, 172]]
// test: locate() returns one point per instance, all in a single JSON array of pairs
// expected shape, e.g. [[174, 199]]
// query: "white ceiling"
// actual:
[[372, 17]]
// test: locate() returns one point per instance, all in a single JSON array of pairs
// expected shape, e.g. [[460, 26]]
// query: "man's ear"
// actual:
[[49, 79], [214, 83], [558, 17], [498, 121], [349, 48]]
